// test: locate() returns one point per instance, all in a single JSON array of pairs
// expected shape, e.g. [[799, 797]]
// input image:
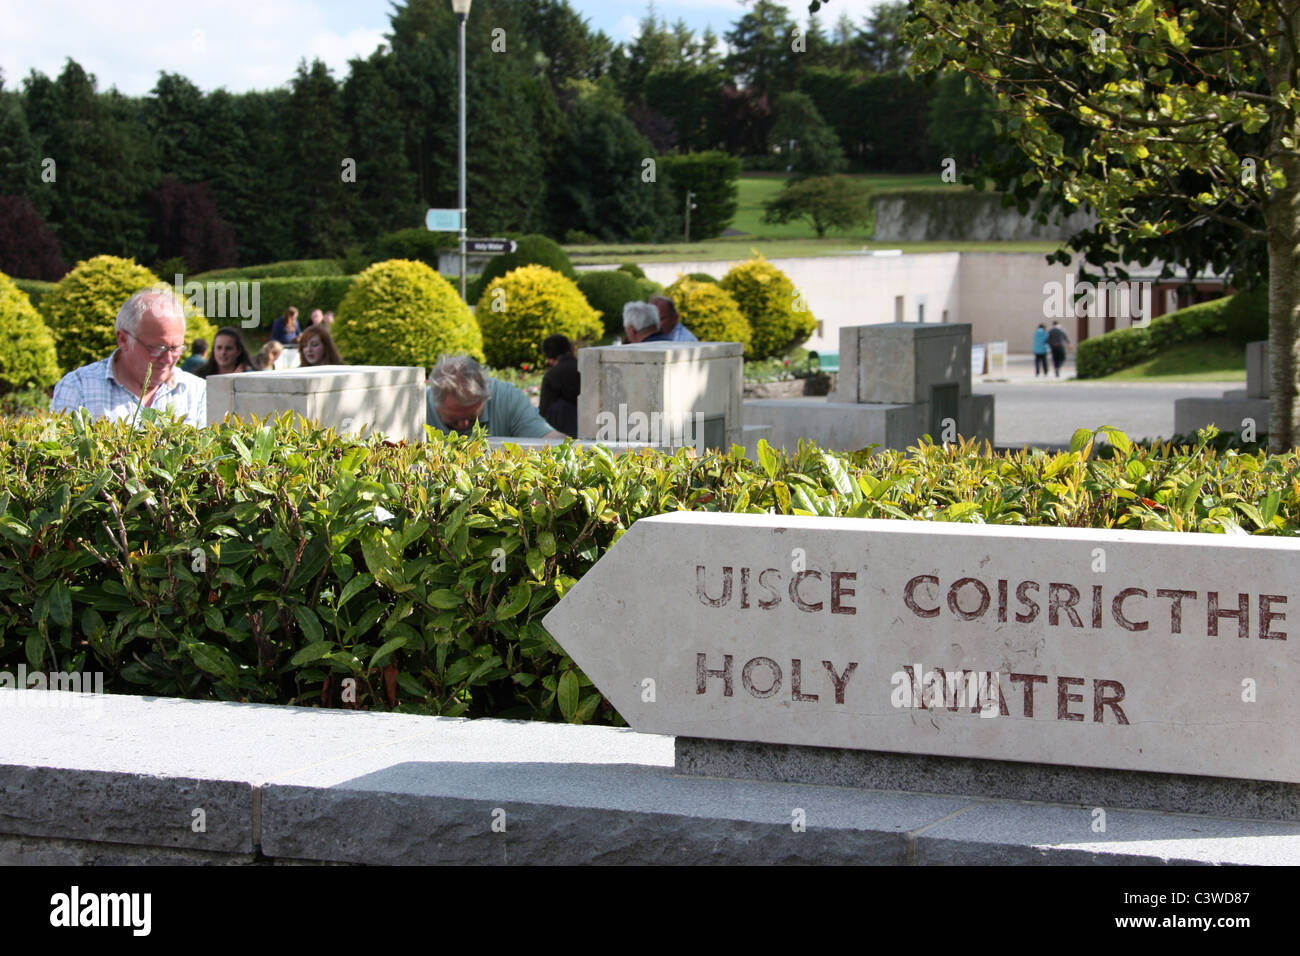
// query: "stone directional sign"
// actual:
[[1130, 650], [495, 246]]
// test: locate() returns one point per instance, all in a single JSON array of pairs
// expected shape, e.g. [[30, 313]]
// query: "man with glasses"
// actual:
[[142, 370], [460, 396]]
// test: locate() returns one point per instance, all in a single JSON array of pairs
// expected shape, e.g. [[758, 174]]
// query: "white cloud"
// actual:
[[239, 44]]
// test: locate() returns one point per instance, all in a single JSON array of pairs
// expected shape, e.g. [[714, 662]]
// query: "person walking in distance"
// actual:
[[1057, 340], [1040, 349]]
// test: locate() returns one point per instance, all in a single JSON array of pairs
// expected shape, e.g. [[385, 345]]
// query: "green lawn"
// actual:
[[1210, 360], [757, 187], [794, 239], [741, 247]]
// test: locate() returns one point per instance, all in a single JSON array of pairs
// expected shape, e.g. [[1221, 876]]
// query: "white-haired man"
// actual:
[[641, 323], [142, 370], [460, 395]]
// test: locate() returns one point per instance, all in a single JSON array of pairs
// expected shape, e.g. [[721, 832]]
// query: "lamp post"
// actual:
[[461, 9]]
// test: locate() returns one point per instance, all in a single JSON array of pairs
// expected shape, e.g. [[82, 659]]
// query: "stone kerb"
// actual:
[[662, 393], [386, 400]]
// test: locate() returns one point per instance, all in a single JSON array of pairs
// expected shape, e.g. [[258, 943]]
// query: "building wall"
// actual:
[[1002, 295]]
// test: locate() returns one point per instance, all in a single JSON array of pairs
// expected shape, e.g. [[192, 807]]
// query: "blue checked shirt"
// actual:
[[94, 388]]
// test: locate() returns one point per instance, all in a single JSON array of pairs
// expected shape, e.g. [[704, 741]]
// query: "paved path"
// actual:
[[1046, 411]]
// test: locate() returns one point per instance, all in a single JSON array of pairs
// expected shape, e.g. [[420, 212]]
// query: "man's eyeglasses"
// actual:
[[158, 351]]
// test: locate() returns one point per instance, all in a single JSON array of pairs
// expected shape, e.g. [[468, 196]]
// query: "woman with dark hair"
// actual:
[[229, 354], [316, 347]]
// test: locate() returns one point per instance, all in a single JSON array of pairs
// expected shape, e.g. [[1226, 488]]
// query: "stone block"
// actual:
[[386, 400], [898, 362], [647, 391], [849, 426], [1228, 414], [1257, 370], [950, 639]]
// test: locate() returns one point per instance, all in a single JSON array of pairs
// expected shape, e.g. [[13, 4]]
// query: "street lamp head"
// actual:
[[461, 7]]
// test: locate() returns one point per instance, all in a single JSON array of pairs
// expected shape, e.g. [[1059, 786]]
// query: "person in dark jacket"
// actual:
[[560, 385], [1057, 340]]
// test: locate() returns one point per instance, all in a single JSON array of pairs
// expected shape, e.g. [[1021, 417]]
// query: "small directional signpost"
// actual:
[[1132, 650], [493, 246], [442, 220]]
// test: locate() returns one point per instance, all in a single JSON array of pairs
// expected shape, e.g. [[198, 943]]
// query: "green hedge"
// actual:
[[305, 292], [35, 289], [263, 562], [290, 268], [1122, 348], [418, 244]]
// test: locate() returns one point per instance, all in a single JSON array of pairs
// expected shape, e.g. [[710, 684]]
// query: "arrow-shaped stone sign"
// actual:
[[1130, 650]]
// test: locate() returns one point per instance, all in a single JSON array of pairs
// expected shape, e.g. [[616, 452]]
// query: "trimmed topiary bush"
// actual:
[[701, 277], [766, 297], [710, 312], [401, 312], [529, 251], [520, 309], [632, 269], [27, 355], [81, 310], [608, 291]]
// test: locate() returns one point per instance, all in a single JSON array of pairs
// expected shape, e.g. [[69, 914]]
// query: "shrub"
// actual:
[[1245, 317], [305, 292], [418, 244], [710, 312], [329, 558], [1122, 348], [27, 355], [714, 177], [701, 277], [577, 237], [648, 287], [401, 312], [81, 310], [632, 269], [288, 269], [608, 290], [529, 251], [36, 289], [28, 247], [766, 297], [520, 309]]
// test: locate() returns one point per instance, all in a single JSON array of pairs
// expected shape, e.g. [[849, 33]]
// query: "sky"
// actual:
[[256, 44]]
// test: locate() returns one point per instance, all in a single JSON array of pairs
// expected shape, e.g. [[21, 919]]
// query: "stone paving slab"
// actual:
[[118, 782]]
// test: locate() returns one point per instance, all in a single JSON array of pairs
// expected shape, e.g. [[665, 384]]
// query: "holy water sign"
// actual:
[[1130, 650]]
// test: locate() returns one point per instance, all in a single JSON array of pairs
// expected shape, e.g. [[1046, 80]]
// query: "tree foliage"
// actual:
[[1176, 125], [827, 202]]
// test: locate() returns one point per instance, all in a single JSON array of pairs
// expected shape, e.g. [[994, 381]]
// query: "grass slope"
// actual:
[[1209, 360]]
